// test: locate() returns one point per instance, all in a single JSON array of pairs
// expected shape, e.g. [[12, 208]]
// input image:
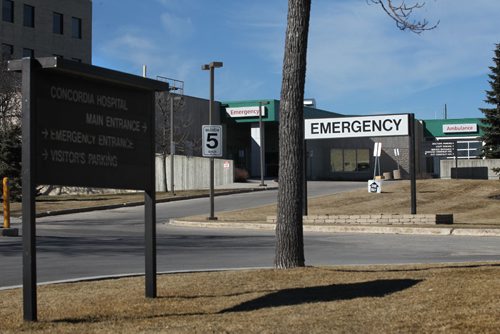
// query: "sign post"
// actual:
[[29, 67], [85, 126], [377, 152], [413, 177], [375, 184], [212, 148]]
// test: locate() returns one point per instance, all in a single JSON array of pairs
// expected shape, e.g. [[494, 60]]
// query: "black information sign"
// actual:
[[86, 126], [440, 149], [92, 134]]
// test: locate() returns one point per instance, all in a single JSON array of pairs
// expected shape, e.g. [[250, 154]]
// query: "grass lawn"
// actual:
[[472, 202], [458, 298]]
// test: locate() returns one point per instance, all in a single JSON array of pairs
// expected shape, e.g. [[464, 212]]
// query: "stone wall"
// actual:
[[376, 219], [470, 169], [193, 172]]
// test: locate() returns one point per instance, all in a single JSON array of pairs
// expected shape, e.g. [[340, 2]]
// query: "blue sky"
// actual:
[[358, 61]]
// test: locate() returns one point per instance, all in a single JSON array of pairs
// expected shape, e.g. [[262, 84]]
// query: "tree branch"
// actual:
[[401, 14]]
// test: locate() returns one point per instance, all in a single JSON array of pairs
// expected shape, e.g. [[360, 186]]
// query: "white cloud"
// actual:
[[130, 46], [256, 22], [184, 5], [135, 48], [176, 26], [130, 41]]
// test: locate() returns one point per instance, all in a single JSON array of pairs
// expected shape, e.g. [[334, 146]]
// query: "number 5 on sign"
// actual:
[[212, 140]]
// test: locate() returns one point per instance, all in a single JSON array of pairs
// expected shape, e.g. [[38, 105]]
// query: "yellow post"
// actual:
[[6, 203]]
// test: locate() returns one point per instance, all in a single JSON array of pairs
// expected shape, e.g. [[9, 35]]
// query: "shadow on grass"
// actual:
[[286, 297], [100, 319], [327, 293], [74, 199], [406, 269]]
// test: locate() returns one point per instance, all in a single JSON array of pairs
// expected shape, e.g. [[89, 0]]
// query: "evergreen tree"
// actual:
[[491, 122]]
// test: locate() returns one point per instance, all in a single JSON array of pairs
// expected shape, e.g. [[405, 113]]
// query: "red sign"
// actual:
[[456, 128]]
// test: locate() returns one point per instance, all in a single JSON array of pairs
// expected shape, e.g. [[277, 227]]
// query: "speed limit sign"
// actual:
[[212, 140]]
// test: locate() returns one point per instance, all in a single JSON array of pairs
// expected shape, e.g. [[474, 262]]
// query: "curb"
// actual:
[[479, 232], [139, 203]]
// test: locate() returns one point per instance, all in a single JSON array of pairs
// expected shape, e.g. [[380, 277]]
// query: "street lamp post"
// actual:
[[211, 67], [262, 148]]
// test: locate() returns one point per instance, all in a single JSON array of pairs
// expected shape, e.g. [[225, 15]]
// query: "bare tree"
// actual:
[[10, 129], [401, 13], [184, 140], [289, 226], [10, 99], [289, 231]]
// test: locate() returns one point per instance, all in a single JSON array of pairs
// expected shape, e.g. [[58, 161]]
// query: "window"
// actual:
[[28, 53], [337, 160], [29, 16], [362, 160], [350, 160], [468, 149], [7, 51], [76, 27], [57, 23], [8, 11]]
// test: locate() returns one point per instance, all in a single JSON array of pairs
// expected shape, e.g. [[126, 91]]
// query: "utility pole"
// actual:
[[262, 104]]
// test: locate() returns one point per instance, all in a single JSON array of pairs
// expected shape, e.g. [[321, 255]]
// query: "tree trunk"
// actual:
[[289, 231]]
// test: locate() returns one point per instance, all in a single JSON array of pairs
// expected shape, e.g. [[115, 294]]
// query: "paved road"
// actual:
[[111, 242]]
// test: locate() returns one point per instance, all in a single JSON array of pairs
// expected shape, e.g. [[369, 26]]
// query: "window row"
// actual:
[[29, 19], [350, 160], [8, 53], [58, 25]]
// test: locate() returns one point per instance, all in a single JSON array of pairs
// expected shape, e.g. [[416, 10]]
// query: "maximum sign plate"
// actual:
[[212, 140]]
